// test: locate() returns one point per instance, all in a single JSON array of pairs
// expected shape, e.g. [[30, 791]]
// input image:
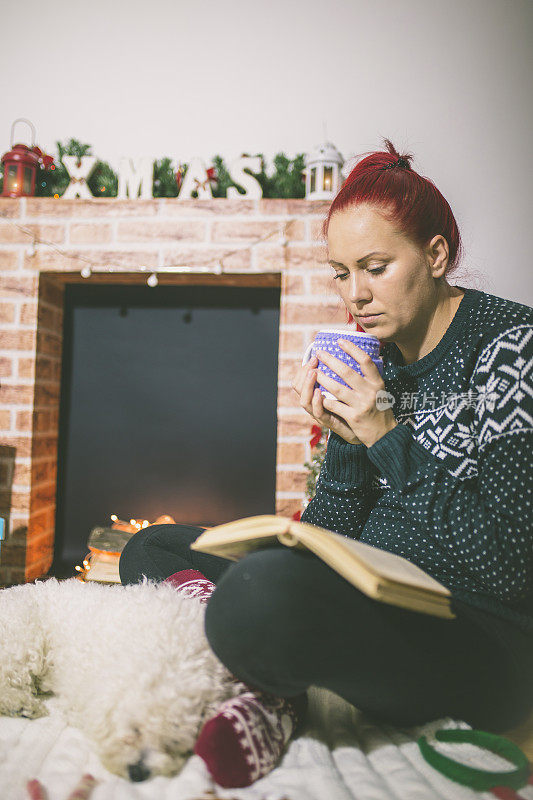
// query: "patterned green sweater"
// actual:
[[450, 488]]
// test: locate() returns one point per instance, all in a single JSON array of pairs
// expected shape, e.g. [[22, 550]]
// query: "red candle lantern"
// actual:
[[20, 166]]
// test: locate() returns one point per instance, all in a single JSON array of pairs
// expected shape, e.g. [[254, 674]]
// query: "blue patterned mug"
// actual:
[[326, 339]]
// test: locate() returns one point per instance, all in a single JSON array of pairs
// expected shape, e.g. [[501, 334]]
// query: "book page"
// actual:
[[233, 540], [104, 572], [350, 557], [388, 565]]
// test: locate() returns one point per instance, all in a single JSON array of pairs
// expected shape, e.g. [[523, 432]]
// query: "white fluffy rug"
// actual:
[[338, 756], [134, 678]]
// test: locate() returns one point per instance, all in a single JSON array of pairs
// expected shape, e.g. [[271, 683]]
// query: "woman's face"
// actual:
[[379, 271]]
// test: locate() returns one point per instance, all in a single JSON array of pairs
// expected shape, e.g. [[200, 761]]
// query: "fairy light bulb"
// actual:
[[86, 272], [152, 280]]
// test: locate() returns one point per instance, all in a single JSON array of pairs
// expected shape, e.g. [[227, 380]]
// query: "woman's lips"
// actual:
[[367, 320]]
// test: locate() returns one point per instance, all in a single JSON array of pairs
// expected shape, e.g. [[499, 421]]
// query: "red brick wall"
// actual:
[[133, 235]]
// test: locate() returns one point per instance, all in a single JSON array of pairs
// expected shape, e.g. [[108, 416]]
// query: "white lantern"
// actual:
[[349, 164], [323, 172]]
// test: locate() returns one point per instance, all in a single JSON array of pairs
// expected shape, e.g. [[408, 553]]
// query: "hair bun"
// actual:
[[400, 162]]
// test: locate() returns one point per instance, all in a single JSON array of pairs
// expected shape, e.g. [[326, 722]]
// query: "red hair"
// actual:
[[350, 319], [411, 202]]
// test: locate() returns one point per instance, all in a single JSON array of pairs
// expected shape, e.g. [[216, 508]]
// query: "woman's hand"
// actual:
[[312, 400], [355, 415]]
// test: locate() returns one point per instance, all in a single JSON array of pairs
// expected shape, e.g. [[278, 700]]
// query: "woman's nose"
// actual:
[[358, 288]]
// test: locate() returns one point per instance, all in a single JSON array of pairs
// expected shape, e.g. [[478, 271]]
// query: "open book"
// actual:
[[384, 576]]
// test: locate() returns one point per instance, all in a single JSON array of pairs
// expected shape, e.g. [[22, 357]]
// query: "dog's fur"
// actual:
[[130, 666]]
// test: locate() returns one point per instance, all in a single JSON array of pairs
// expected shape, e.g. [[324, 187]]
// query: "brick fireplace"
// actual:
[[136, 237]]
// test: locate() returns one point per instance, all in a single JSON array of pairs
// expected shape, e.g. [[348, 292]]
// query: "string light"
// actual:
[[135, 523], [94, 267], [85, 569]]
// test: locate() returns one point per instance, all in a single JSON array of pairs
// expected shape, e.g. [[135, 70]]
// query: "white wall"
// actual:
[[449, 80]]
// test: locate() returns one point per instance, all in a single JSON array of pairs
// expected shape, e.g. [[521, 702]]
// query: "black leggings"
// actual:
[[282, 620]]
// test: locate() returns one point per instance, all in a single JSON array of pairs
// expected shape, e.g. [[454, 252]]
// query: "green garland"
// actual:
[[287, 180], [318, 448]]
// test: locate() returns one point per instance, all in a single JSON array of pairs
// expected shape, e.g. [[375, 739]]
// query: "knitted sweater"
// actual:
[[450, 487]]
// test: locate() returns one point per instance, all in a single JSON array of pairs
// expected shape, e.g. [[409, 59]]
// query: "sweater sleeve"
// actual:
[[346, 491], [484, 524]]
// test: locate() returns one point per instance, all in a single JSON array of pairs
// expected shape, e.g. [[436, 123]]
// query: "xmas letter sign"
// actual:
[[138, 175]]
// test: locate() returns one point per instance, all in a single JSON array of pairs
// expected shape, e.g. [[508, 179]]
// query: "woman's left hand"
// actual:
[[358, 404]]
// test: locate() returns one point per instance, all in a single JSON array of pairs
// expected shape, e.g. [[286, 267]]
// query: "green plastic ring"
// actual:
[[480, 779]]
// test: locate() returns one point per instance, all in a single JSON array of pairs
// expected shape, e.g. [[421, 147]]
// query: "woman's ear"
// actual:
[[439, 253]]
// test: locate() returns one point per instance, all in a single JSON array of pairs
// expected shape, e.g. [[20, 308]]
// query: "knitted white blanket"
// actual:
[[338, 756]]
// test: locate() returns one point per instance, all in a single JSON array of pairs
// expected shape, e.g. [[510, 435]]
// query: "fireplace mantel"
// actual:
[[45, 243]]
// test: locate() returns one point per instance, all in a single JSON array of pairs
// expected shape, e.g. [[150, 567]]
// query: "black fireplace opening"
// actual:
[[168, 406]]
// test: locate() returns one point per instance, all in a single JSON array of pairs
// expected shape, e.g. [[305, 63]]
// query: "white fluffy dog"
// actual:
[[130, 666]]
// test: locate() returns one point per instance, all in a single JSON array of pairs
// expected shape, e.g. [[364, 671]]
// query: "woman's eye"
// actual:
[[343, 275]]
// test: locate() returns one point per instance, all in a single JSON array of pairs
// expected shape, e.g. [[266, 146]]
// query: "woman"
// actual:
[[442, 476]]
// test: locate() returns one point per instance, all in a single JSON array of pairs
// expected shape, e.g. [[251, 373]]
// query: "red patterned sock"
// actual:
[[192, 583], [247, 736]]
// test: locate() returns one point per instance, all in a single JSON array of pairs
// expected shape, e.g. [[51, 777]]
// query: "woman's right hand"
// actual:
[[311, 400]]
